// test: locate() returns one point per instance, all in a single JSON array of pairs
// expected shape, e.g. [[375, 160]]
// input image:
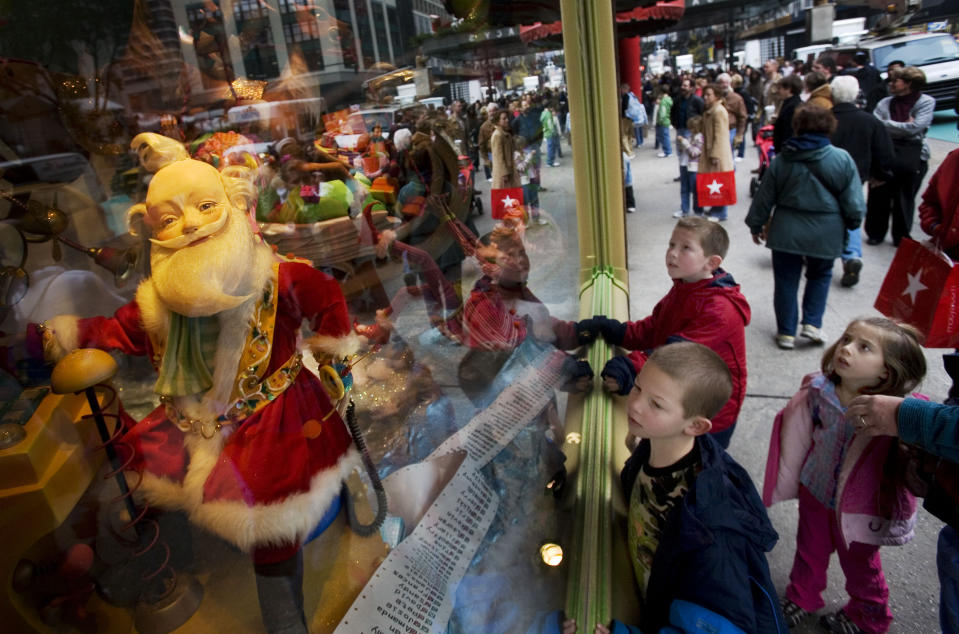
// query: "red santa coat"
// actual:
[[712, 312], [264, 482]]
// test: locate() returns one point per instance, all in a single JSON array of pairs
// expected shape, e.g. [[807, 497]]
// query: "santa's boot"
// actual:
[[279, 587]]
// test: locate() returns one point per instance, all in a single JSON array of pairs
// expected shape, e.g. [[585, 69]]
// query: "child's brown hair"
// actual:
[[901, 352], [702, 374], [695, 124], [712, 237]]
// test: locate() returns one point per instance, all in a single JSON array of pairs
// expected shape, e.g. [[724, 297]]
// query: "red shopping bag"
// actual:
[[502, 200], [922, 289], [716, 189]]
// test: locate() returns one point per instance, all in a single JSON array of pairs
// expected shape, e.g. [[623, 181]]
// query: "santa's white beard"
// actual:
[[210, 277]]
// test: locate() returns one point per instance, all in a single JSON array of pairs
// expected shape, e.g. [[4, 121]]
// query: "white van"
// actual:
[[936, 54], [277, 119]]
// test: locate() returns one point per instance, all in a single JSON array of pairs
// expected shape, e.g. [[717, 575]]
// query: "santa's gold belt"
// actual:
[[262, 395]]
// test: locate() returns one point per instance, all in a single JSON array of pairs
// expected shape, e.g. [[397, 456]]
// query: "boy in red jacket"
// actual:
[[704, 306]]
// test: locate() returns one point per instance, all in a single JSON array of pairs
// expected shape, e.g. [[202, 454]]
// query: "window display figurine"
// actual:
[[245, 440]]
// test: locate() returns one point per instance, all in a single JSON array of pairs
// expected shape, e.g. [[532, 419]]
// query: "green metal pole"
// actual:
[[590, 51]]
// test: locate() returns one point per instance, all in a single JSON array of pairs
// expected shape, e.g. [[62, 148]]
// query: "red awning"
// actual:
[[638, 21]]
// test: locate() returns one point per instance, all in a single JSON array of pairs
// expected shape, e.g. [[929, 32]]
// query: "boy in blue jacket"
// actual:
[[698, 533]]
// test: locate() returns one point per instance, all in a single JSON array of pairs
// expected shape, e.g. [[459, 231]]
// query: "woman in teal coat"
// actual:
[[807, 199]]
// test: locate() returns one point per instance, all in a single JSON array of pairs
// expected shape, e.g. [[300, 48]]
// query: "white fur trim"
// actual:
[[337, 347], [275, 524], [65, 339]]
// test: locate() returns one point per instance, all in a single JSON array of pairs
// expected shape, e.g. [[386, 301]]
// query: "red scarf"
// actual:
[[900, 106]]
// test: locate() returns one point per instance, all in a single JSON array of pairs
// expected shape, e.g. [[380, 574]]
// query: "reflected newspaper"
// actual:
[[413, 589]]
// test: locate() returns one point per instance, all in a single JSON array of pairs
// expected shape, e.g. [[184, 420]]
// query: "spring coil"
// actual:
[[138, 521], [365, 530]]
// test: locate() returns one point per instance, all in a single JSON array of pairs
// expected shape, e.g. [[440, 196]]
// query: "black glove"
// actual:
[[621, 370], [574, 370], [611, 330], [587, 331]]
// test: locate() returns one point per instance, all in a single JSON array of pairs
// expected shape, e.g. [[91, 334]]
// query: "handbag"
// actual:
[[921, 289], [716, 189]]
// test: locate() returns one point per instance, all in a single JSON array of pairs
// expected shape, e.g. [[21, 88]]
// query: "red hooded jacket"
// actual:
[[712, 312]]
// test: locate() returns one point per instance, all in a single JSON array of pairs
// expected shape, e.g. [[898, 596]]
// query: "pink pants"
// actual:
[[818, 536]]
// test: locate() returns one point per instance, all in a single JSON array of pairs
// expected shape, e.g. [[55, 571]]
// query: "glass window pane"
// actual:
[[256, 207]]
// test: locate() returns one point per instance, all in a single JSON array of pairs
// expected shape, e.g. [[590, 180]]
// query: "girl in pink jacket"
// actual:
[[849, 500]]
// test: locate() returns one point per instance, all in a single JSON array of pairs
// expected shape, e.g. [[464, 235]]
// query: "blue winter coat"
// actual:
[[713, 551], [813, 196]]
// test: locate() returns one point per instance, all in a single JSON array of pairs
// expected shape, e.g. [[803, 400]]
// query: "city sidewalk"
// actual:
[[775, 375]]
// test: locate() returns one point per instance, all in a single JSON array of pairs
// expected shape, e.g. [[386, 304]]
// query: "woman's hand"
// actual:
[[760, 238], [874, 415]]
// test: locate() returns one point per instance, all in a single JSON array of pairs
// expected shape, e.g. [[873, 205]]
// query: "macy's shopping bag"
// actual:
[[504, 202], [716, 189], [922, 289]]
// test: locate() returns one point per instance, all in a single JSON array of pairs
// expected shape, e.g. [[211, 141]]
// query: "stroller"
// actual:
[[764, 141]]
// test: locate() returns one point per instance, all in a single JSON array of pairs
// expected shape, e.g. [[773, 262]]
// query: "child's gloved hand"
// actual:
[[586, 331], [611, 330], [618, 375], [580, 375]]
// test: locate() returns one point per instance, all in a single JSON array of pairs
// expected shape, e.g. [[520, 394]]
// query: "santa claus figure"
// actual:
[[245, 440]]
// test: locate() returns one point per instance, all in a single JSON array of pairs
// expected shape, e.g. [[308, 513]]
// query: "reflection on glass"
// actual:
[[341, 161]]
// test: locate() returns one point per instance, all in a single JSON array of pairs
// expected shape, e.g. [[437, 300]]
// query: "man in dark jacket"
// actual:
[[789, 89], [685, 106], [868, 142], [881, 90], [867, 74]]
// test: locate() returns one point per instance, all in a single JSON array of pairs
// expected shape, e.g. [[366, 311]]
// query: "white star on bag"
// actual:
[[914, 286]]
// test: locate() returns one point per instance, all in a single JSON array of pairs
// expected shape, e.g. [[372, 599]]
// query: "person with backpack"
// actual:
[[633, 110], [664, 104]]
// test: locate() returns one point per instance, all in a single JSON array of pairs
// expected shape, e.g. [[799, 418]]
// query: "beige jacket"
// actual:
[[716, 141], [504, 167]]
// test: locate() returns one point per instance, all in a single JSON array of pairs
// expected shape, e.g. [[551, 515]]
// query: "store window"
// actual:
[[255, 35], [324, 263], [302, 33]]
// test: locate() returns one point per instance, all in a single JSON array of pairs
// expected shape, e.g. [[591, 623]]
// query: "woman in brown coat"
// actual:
[[501, 147], [717, 153]]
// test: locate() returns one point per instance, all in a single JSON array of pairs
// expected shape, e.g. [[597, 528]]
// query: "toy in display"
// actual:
[[245, 440]]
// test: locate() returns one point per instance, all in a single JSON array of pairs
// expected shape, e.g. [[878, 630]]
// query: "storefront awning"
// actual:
[[636, 21], [512, 12]]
